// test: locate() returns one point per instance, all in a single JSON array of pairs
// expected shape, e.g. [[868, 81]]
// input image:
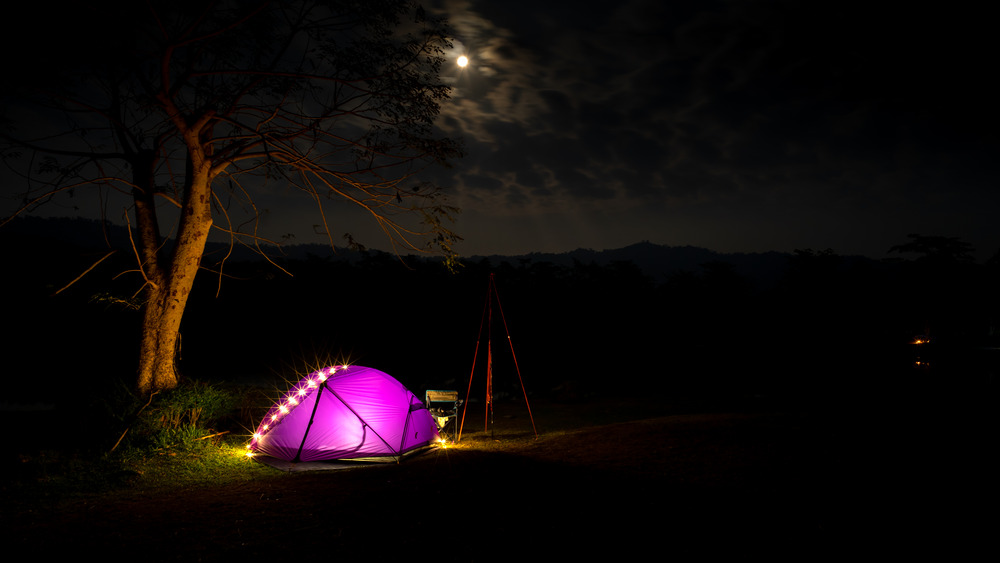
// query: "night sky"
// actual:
[[737, 126]]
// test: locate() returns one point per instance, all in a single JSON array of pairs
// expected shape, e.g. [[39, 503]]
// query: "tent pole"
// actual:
[[312, 416]]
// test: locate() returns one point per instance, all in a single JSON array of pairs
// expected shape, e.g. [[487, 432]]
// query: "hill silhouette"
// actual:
[[655, 260], [645, 316]]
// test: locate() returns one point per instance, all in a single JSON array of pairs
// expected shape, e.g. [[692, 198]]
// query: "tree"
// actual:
[[192, 108], [937, 250]]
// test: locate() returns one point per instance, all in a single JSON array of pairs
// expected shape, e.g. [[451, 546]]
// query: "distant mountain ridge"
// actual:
[[661, 261], [655, 260]]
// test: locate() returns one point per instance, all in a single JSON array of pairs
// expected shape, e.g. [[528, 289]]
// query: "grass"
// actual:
[[196, 434], [215, 461], [193, 435]]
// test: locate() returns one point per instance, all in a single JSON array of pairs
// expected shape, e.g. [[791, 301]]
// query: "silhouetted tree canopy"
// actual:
[[194, 110], [937, 249]]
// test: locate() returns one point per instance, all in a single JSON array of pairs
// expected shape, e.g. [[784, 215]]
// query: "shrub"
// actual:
[[181, 417]]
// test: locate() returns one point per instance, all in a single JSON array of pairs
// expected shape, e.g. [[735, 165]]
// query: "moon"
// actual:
[[463, 61]]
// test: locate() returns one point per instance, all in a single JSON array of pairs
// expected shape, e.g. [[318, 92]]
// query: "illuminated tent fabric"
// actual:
[[341, 413]]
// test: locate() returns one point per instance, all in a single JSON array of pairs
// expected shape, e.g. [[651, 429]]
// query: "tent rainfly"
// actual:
[[344, 413]]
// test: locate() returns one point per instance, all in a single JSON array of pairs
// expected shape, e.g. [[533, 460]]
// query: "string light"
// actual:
[[279, 410]]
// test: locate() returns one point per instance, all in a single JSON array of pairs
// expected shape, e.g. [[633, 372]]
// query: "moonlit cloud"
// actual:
[[740, 125], [737, 125]]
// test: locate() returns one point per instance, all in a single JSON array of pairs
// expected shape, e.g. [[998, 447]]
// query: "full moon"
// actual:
[[463, 61]]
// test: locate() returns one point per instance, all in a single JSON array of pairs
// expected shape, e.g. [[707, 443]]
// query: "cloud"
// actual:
[[719, 107]]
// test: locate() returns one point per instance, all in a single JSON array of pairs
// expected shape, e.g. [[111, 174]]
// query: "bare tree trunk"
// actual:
[[168, 295], [149, 246], [157, 358]]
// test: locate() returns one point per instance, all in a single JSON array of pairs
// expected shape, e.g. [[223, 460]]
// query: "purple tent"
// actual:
[[344, 412]]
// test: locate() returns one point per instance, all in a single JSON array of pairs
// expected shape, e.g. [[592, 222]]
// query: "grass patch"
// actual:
[[194, 434], [182, 417], [208, 462]]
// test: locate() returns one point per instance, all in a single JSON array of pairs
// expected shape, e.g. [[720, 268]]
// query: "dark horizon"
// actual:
[[298, 249], [712, 312]]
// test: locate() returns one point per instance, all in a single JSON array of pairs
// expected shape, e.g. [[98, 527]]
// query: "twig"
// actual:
[[135, 416], [94, 265], [195, 440]]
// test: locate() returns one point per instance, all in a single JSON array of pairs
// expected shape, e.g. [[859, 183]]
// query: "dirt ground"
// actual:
[[629, 480]]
